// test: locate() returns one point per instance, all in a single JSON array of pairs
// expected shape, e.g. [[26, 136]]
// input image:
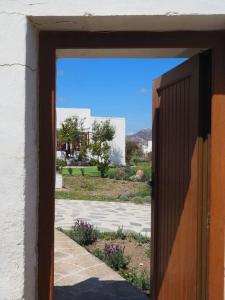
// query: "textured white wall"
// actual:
[[112, 7], [18, 157], [106, 15]]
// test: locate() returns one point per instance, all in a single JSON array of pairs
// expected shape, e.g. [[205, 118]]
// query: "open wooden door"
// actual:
[[181, 131]]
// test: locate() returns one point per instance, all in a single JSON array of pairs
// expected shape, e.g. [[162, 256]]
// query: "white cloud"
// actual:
[[144, 90]]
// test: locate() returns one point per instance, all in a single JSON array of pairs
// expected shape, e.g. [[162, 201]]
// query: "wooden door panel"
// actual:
[[177, 207]]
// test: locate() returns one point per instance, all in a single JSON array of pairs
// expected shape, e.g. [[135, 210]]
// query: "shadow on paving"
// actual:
[[95, 289]]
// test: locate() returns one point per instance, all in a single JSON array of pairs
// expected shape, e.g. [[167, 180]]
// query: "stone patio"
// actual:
[[106, 216], [81, 276]]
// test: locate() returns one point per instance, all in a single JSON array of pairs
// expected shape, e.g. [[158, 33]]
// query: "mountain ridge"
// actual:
[[143, 135]]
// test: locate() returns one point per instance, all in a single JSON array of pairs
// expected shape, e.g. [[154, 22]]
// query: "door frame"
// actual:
[[49, 41]]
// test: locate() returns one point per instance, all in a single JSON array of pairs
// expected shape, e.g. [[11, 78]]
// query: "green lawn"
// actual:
[[77, 171], [93, 171]]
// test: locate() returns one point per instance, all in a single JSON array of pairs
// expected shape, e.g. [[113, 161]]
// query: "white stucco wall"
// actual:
[[18, 157], [63, 113], [166, 15], [118, 143], [18, 104]]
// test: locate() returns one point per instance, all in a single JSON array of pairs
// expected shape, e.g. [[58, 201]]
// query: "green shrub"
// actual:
[[144, 191], [82, 171], [148, 251], [137, 160], [140, 280], [135, 178], [123, 197], [142, 239], [70, 171], [83, 233], [114, 257], [107, 235], [112, 235], [60, 163], [122, 173], [120, 233], [138, 200], [98, 253]]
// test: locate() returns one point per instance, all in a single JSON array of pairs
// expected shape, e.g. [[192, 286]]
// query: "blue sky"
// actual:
[[111, 87]]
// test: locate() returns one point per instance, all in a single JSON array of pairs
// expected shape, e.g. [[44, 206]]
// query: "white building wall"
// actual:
[[118, 143], [63, 113], [18, 104]]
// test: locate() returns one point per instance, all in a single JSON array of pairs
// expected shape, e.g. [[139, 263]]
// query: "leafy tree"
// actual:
[[69, 133], [83, 151], [102, 134], [133, 149]]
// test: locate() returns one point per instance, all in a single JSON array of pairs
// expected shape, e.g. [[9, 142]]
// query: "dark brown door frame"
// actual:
[[48, 43]]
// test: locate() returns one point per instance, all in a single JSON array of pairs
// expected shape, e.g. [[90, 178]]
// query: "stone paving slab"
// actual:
[[81, 276], [106, 216]]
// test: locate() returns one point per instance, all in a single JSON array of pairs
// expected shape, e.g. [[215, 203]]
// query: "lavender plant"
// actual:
[[83, 233], [114, 256]]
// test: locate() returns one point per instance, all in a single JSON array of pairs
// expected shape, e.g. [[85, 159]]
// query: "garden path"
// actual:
[[79, 275], [106, 216]]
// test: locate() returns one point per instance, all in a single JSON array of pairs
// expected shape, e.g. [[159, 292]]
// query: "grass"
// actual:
[[77, 171], [93, 171], [102, 189]]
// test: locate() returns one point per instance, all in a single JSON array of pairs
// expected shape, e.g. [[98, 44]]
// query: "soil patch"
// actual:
[[138, 252]]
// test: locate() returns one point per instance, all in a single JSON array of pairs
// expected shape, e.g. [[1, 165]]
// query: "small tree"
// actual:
[[132, 149], [102, 134], [69, 133]]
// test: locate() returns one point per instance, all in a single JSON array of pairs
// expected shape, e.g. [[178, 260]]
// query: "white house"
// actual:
[[147, 148], [118, 143]]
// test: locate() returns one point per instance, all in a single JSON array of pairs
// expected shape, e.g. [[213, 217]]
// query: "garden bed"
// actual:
[[103, 189], [126, 252], [138, 252]]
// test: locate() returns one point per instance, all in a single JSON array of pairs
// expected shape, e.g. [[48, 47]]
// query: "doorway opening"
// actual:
[[104, 162], [160, 92]]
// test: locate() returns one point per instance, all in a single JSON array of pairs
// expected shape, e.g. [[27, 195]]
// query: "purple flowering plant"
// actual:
[[114, 256], [83, 232]]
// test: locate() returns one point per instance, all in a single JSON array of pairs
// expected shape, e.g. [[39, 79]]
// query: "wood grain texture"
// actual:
[[179, 207], [217, 175]]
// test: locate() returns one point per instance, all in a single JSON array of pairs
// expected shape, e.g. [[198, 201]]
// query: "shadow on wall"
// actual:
[[93, 288], [31, 163]]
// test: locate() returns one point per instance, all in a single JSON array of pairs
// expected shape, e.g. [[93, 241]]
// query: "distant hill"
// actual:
[[142, 136]]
